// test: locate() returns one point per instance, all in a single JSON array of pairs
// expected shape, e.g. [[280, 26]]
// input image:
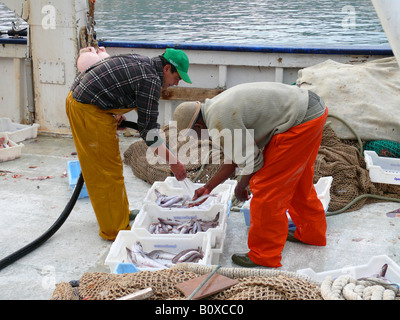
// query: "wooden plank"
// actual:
[[216, 284], [189, 94]]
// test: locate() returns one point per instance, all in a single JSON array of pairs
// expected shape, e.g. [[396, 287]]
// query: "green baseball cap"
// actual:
[[180, 61]]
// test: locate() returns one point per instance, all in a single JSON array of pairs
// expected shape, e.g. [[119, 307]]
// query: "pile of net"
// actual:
[[342, 160], [254, 284], [201, 158]]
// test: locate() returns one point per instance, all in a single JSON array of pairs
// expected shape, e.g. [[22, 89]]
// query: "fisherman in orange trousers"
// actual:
[[281, 130]]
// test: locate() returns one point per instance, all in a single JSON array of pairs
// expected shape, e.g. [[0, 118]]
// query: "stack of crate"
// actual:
[[11, 134], [211, 242]]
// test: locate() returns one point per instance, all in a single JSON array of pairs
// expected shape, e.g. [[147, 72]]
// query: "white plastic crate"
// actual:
[[150, 213], [370, 269], [382, 169], [11, 153], [322, 187], [126, 238], [171, 187], [18, 132]]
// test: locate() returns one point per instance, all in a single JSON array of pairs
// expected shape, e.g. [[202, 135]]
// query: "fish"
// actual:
[[4, 144], [176, 201], [140, 259], [160, 259], [168, 201], [199, 200], [189, 255], [192, 226], [161, 254]]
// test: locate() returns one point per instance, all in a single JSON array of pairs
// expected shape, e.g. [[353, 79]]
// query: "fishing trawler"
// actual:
[[37, 70]]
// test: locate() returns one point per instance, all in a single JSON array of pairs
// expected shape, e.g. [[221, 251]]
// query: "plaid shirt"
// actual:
[[124, 82]]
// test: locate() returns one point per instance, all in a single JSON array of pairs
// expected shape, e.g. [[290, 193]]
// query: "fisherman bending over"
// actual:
[[280, 131]]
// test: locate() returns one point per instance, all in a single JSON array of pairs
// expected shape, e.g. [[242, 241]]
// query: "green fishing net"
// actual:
[[384, 148]]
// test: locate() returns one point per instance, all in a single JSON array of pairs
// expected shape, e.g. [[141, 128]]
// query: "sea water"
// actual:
[[243, 22]]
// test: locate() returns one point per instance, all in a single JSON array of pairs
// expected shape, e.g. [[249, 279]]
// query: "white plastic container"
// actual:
[[322, 187], [125, 239], [150, 213], [371, 269], [11, 153], [171, 187], [382, 169], [18, 132]]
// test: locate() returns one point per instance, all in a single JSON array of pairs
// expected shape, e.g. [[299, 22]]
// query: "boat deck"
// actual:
[[35, 190]]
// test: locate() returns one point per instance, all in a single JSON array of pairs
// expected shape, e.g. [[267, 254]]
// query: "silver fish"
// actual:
[[139, 258], [170, 222], [178, 201], [161, 259], [192, 226], [161, 254], [199, 200], [189, 255], [170, 202]]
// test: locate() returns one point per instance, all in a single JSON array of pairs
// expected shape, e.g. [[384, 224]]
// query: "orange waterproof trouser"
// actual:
[[285, 182], [97, 145]]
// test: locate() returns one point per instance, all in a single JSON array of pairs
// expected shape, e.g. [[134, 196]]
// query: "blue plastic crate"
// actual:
[[74, 170], [246, 214], [123, 267]]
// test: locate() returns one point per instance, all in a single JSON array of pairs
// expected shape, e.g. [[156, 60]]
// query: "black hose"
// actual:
[[64, 215], [52, 230]]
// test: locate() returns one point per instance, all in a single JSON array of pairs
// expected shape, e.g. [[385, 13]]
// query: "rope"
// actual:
[[347, 288], [203, 165], [241, 272], [87, 34], [351, 129], [332, 213]]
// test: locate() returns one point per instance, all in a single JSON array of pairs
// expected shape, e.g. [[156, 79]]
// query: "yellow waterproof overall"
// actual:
[[95, 136]]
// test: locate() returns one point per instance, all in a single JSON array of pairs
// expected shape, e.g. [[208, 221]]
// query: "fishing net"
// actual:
[[254, 284], [342, 160], [202, 159]]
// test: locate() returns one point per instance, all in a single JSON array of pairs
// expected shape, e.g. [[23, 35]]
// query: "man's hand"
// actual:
[[198, 193], [119, 118], [241, 192], [177, 167], [178, 170], [201, 192]]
